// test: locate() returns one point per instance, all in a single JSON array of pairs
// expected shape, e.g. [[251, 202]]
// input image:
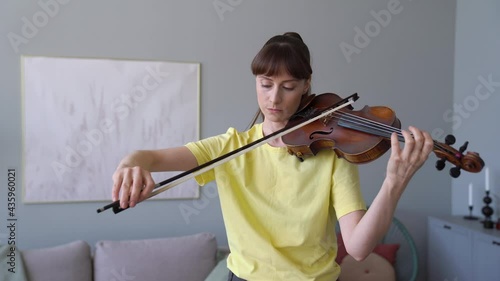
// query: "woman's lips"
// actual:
[[274, 110]]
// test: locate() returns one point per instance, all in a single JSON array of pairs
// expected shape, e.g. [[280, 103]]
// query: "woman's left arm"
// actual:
[[361, 231]]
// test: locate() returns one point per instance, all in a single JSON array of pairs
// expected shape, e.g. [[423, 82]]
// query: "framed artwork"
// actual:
[[81, 116]]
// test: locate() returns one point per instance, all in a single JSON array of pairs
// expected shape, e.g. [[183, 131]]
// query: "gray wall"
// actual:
[[407, 63], [477, 98]]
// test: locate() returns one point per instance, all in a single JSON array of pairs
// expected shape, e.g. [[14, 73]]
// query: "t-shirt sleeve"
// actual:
[[346, 191], [208, 149]]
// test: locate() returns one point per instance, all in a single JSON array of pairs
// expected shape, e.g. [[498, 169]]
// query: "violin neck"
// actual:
[[371, 127], [368, 126]]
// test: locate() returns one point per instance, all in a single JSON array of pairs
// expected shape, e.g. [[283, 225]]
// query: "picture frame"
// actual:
[[81, 116]]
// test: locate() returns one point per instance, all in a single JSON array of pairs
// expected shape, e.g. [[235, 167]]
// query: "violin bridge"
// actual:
[[327, 119]]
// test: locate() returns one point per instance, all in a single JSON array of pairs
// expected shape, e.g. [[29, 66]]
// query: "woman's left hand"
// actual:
[[403, 163]]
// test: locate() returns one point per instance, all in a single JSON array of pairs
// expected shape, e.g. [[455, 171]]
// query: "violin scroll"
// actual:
[[470, 162]]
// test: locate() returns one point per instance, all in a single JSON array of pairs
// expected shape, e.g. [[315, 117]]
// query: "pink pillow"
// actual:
[[387, 251]]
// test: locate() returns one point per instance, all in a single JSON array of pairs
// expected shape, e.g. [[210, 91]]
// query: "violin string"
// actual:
[[380, 129], [385, 129]]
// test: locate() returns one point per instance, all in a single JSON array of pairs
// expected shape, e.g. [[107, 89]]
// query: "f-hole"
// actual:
[[312, 135]]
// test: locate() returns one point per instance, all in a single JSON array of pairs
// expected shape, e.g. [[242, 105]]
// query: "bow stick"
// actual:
[[187, 175]]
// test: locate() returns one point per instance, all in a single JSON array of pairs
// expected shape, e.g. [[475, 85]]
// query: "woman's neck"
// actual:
[[271, 127]]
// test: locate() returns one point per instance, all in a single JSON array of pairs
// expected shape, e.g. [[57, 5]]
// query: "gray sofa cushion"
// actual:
[[220, 272], [72, 261], [186, 258]]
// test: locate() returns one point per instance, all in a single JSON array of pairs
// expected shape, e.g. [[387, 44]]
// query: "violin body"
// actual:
[[362, 136], [334, 132]]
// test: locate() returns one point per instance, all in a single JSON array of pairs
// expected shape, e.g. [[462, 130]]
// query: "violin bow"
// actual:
[[187, 175]]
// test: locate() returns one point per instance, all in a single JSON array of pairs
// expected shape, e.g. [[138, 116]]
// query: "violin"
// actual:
[[363, 136], [184, 176], [327, 121]]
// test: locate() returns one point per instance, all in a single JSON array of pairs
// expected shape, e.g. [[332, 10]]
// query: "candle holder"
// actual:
[[487, 211], [470, 216]]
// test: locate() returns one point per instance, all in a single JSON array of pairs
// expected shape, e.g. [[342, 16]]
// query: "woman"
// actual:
[[280, 213]]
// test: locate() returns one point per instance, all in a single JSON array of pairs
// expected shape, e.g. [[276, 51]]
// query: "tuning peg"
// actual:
[[455, 172], [449, 139], [463, 147], [440, 164]]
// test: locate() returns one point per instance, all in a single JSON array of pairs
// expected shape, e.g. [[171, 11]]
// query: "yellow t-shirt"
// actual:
[[279, 213]]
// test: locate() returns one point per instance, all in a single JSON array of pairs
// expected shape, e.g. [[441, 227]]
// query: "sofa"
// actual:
[[194, 257]]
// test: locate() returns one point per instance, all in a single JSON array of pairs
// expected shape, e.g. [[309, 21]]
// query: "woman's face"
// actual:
[[279, 96]]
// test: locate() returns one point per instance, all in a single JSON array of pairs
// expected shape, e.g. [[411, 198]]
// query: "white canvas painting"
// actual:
[[82, 116]]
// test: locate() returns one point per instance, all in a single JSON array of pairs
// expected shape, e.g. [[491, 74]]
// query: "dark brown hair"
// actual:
[[286, 52], [283, 52]]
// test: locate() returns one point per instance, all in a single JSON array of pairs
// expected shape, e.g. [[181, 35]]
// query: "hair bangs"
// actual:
[[274, 59]]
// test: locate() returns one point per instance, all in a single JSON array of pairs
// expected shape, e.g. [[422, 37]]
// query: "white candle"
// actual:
[[470, 194], [487, 183]]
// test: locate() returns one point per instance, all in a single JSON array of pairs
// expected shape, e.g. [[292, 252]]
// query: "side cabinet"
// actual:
[[486, 256], [449, 251], [460, 249]]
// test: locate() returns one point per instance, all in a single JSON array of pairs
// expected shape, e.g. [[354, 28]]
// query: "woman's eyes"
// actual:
[[284, 87]]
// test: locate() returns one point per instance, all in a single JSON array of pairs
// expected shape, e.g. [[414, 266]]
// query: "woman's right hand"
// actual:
[[131, 185], [132, 181]]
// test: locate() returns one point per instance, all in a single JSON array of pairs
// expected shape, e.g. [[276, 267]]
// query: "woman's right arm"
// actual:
[[132, 181]]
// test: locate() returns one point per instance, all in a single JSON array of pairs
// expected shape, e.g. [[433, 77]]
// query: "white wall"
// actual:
[[407, 63]]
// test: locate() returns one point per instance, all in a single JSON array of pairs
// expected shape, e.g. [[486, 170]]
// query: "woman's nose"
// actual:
[[275, 95]]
